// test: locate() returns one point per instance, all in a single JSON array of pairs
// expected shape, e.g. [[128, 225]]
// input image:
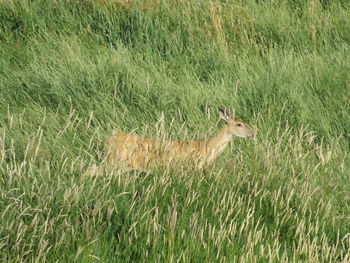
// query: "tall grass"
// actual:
[[71, 72]]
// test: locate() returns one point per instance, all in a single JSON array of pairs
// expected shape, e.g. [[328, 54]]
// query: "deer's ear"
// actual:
[[224, 114]]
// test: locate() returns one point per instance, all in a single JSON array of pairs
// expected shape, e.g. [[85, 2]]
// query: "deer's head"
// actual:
[[235, 126]]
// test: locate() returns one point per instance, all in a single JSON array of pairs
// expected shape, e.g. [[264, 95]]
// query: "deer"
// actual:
[[129, 152]]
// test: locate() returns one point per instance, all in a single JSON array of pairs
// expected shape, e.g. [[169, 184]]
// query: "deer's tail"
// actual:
[[93, 170]]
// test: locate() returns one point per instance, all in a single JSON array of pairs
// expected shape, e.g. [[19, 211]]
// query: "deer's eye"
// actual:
[[239, 125]]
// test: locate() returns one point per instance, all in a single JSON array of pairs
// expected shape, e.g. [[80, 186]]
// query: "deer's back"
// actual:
[[140, 153]]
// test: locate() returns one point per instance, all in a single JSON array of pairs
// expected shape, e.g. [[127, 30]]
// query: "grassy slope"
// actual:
[[71, 73]]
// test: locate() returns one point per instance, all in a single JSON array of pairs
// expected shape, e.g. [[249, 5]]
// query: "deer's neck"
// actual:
[[217, 144]]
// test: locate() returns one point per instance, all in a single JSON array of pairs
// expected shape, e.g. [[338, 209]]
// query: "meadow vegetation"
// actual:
[[72, 72]]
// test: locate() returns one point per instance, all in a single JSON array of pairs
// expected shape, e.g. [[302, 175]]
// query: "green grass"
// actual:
[[72, 72]]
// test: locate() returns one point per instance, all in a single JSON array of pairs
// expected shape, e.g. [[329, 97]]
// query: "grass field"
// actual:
[[72, 72]]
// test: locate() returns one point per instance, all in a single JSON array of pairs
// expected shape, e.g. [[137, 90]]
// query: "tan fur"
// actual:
[[131, 152]]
